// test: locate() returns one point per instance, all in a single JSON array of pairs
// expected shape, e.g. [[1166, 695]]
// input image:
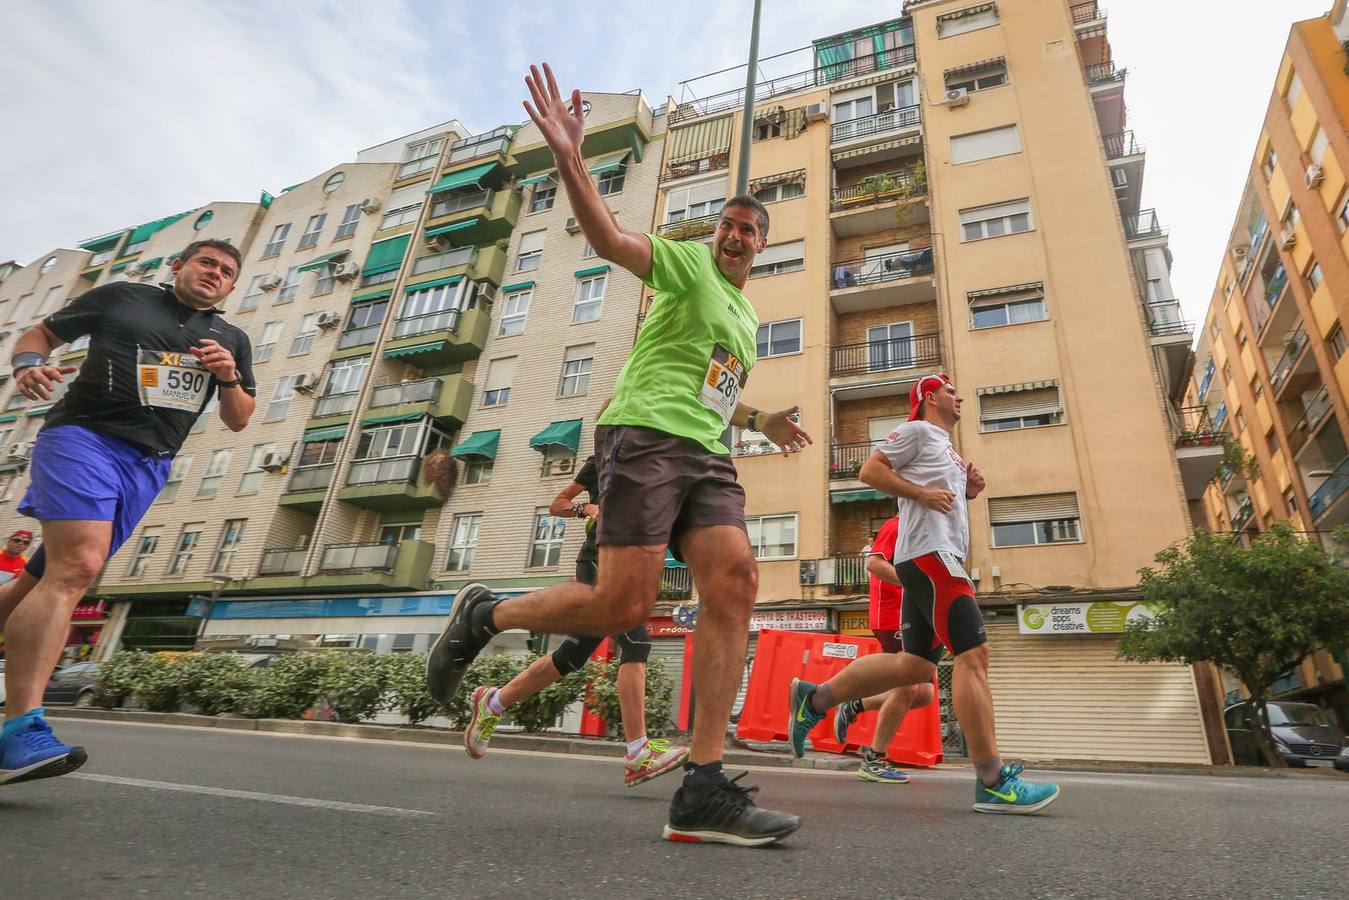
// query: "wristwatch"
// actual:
[[752, 423], [580, 510], [228, 384], [27, 360]]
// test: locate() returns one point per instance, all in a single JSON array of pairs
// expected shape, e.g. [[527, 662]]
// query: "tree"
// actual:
[[1256, 611]]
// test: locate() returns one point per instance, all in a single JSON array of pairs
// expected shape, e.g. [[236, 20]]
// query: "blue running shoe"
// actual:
[[877, 768], [800, 717], [34, 752], [1013, 794], [844, 716]]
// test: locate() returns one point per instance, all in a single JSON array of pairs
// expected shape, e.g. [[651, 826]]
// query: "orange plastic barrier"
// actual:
[[784, 655]]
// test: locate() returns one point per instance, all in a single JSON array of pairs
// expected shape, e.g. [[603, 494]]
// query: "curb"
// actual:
[[735, 755]]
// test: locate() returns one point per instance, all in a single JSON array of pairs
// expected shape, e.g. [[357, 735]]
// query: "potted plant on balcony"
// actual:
[[438, 469]]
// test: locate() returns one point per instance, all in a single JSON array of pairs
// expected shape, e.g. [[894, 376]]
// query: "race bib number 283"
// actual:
[[725, 379], [171, 380]]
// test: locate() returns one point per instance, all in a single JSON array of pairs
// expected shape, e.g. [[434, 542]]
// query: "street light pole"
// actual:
[[747, 117]]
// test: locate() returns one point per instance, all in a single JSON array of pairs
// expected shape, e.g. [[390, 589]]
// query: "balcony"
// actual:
[[445, 336], [1164, 321], [872, 203], [1087, 18], [495, 143], [334, 404], [389, 483], [1121, 145], [307, 487], [1199, 448], [383, 566], [876, 282], [710, 161], [845, 460], [1143, 227], [850, 574], [1324, 505], [675, 584], [474, 217], [282, 562], [868, 128], [476, 263], [695, 228], [1314, 413], [1245, 512], [445, 398], [358, 337], [1292, 352], [882, 368], [1105, 74]]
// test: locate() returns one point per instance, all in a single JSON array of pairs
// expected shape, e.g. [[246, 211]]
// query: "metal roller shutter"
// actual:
[[1039, 507], [670, 651], [744, 681], [1031, 402], [1070, 698]]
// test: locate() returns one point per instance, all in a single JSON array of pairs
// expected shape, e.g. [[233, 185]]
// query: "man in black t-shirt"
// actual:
[[646, 759], [156, 357]]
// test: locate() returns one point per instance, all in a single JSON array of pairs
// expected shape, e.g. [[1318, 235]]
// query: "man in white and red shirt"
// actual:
[[918, 464]]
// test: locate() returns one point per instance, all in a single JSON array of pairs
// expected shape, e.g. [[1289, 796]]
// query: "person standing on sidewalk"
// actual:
[[918, 465], [645, 759], [892, 706], [664, 477], [156, 357]]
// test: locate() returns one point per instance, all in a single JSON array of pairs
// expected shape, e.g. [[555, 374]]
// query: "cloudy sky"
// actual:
[[122, 112]]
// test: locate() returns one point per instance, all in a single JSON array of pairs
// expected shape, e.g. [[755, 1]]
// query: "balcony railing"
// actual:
[[1330, 490], [845, 460], [449, 260], [1164, 318], [685, 229], [711, 161], [335, 404], [358, 558], [880, 123], [310, 478], [1197, 428], [797, 81], [1105, 73], [442, 320], [386, 470], [471, 148], [1242, 517], [877, 269], [878, 189], [460, 202], [675, 584], [282, 562], [1274, 286], [1120, 145], [1292, 351], [850, 573], [920, 350], [358, 337], [1086, 12], [1143, 225], [421, 391]]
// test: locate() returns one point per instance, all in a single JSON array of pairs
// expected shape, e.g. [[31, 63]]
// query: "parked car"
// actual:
[[74, 684], [1304, 735]]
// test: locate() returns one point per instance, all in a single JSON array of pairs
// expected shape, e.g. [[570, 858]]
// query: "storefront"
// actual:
[[86, 627], [855, 622]]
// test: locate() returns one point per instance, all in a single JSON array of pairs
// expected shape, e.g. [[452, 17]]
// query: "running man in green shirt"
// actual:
[[664, 478]]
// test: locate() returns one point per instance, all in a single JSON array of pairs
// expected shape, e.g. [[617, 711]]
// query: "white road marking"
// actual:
[[311, 802]]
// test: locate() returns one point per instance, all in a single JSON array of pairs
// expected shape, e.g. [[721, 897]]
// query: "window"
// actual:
[[1155, 292], [50, 263], [188, 539], [745, 442], [1240, 419], [500, 374], [856, 108], [1315, 277], [128, 250], [312, 232], [1038, 519], [1320, 144], [266, 342], [1343, 217], [401, 216], [251, 296], [890, 346], [463, 541], [350, 219], [478, 470], [589, 299], [611, 182], [766, 131], [289, 287], [279, 405], [779, 259], [971, 18], [325, 281], [576, 364], [379, 278], [215, 471], [177, 472], [514, 312], [304, 337], [527, 258], [704, 199], [253, 472], [542, 198], [420, 156], [397, 532], [346, 375], [49, 301], [783, 190], [434, 309], [276, 241], [363, 325], [1338, 343], [546, 546], [979, 78], [100, 258], [995, 221], [231, 535], [334, 182], [588, 252], [779, 338], [1007, 306], [967, 148], [1270, 164], [772, 537], [1294, 90], [149, 542], [1023, 406]]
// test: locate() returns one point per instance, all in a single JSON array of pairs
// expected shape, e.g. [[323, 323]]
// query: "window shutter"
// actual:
[[700, 140], [997, 211], [1025, 402], [1031, 291], [984, 144], [532, 241], [1035, 508], [580, 351], [781, 253], [712, 190], [406, 196], [500, 373]]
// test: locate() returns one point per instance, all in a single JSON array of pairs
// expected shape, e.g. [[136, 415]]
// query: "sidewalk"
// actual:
[[737, 754]]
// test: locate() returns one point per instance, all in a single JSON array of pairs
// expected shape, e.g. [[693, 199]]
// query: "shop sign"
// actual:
[[791, 620], [855, 621], [1108, 617], [840, 651], [666, 626], [90, 611]]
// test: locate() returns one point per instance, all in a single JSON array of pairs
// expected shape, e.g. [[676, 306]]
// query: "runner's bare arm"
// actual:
[[35, 382], [236, 404], [879, 566], [877, 473], [564, 504], [975, 483], [564, 130], [778, 427]]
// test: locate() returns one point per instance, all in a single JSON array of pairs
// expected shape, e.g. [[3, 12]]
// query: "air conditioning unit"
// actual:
[[487, 294], [817, 112], [1315, 175], [21, 450], [346, 271], [272, 462], [270, 283], [572, 226], [306, 383], [328, 320], [437, 243], [957, 97], [370, 205], [559, 465], [1241, 251], [1287, 238]]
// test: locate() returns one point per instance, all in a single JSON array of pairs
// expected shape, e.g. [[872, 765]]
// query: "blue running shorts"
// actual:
[[78, 474]]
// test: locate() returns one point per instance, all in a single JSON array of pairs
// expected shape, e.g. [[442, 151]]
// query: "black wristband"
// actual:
[[27, 360], [227, 384]]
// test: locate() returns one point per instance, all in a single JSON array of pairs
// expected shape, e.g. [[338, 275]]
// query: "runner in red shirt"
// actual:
[[12, 559]]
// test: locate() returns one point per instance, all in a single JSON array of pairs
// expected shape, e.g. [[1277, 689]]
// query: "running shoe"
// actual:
[[34, 752], [482, 723], [800, 717], [726, 814], [877, 768], [457, 646], [844, 716], [1013, 794], [652, 761]]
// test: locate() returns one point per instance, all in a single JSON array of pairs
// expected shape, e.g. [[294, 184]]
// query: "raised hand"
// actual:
[[563, 128], [35, 382], [779, 428], [218, 360]]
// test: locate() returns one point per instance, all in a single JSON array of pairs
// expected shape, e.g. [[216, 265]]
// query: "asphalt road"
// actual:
[[163, 811]]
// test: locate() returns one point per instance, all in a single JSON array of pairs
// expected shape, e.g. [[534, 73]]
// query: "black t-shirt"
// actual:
[[589, 479], [139, 382]]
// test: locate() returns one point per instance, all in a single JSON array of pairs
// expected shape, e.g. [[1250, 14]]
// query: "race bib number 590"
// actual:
[[172, 380], [725, 379]]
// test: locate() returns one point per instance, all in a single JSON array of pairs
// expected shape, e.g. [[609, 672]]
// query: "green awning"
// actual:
[[415, 349], [536, 179], [93, 274], [517, 286], [393, 417], [10, 467], [558, 434], [119, 267], [671, 562], [462, 178], [40, 411], [373, 295], [457, 226], [857, 496], [386, 256], [173, 257], [321, 261], [593, 270], [266, 200], [143, 232], [427, 285], [150, 264], [331, 433], [479, 443], [610, 162], [8, 418], [106, 242]]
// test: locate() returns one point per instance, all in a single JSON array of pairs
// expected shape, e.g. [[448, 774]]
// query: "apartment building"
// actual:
[[1269, 364]]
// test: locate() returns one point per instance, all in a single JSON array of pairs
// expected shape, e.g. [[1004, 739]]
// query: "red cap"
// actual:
[[23, 533], [922, 389]]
